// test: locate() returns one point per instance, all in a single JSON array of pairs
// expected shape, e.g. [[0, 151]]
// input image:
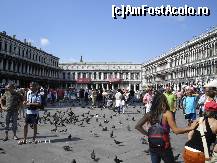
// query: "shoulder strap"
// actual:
[[201, 129]]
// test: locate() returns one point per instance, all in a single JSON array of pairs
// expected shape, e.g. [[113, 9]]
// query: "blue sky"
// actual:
[[71, 28]]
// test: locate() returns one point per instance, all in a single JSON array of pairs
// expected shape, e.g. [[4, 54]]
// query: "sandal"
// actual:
[[21, 142], [5, 139]]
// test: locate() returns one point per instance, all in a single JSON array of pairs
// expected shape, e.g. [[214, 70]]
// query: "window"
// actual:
[[64, 77], [105, 75], [79, 75], [6, 45], [10, 48], [100, 75], [0, 46], [19, 51]]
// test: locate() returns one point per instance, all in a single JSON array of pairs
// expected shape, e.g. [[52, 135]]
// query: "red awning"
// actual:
[[83, 80], [114, 80]]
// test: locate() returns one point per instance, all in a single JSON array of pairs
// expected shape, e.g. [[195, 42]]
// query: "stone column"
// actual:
[[129, 86], [27, 68], [76, 75], [129, 76], [102, 76], [140, 86], [112, 86], [97, 86], [107, 86], [134, 87], [118, 75]]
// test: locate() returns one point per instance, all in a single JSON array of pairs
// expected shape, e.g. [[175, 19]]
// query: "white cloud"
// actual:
[[44, 41]]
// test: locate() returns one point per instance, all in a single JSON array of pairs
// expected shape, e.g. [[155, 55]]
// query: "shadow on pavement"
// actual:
[[65, 140]]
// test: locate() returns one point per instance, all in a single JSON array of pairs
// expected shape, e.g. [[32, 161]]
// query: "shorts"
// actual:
[[191, 116], [31, 119]]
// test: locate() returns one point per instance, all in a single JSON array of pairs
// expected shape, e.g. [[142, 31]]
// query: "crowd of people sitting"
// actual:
[[198, 105]]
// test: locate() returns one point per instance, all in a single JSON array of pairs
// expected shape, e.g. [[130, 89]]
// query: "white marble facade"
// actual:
[[21, 63], [107, 75], [194, 62]]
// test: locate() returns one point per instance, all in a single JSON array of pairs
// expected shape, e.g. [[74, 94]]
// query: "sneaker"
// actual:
[[16, 138]]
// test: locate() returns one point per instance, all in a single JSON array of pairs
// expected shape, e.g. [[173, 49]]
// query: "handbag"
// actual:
[[201, 129]]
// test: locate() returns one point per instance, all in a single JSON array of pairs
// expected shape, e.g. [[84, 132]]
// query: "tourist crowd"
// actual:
[[160, 105]]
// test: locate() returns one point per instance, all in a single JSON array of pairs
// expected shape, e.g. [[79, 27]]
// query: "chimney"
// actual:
[[25, 41], [14, 36], [30, 44]]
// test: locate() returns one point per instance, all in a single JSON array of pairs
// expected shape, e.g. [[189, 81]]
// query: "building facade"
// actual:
[[102, 75], [22, 63], [194, 62]]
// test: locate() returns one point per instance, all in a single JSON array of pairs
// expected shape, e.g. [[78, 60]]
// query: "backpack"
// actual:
[[158, 137]]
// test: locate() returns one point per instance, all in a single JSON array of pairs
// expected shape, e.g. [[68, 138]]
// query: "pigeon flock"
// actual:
[[106, 135]]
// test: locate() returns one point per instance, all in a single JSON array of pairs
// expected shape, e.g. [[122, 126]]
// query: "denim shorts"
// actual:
[[31, 119]]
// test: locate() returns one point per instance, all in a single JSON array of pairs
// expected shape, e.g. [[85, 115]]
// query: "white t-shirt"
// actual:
[[33, 98]]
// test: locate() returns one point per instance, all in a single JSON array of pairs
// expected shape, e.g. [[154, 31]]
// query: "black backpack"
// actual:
[[158, 137]]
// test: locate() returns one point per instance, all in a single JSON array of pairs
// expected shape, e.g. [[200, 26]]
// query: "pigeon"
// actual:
[[111, 116], [70, 137], [128, 128], [97, 119], [88, 120], [120, 122], [67, 148], [100, 124], [117, 142], [73, 161], [96, 135], [138, 111], [177, 157], [113, 126], [133, 119], [93, 155], [112, 134], [117, 160], [106, 121], [104, 116], [55, 129], [104, 129]]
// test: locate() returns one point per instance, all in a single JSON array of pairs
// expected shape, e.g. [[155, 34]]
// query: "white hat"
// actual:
[[212, 84]]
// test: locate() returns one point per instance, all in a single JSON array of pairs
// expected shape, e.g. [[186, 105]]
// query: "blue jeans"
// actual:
[[166, 155]]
